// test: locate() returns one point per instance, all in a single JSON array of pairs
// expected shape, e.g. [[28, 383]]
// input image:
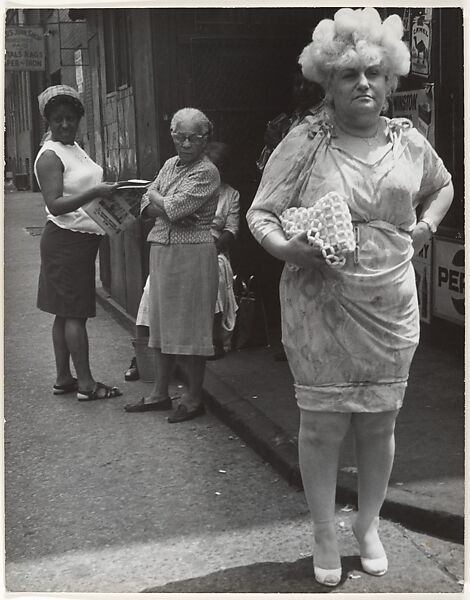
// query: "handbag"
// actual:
[[251, 327]]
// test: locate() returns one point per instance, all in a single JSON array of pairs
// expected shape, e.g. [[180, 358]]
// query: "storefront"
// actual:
[[432, 97], [236, 65]]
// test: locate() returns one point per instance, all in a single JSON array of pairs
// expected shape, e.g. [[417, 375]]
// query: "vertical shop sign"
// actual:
[[79, 70], [420, 47], [418, 106], [449, 280], [423, 275]]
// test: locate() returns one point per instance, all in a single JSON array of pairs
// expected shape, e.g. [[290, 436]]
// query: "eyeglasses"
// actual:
[[194, 138]]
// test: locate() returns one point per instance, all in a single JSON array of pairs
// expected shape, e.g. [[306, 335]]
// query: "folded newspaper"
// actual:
[[115, 214]]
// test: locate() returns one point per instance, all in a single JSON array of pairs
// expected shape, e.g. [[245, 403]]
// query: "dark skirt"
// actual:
[[67, 276]]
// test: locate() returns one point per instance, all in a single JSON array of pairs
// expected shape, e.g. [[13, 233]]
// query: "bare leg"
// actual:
[[164, 364], [61, 352], [76, 337], [320, 438], [195, 368], [141, 331], [375, 449], [132, 372]]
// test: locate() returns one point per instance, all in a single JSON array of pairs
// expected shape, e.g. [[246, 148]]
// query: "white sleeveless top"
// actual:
[[80, 173]]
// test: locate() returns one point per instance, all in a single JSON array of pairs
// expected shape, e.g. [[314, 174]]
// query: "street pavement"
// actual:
[[98, 500]]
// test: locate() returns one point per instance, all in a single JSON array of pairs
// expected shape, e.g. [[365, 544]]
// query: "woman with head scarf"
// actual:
[[69, 179], [350, 330]]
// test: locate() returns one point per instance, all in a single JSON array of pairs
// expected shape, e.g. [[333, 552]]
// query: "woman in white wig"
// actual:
[[350, 330]]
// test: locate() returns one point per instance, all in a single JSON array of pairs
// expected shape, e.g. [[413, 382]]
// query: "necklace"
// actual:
[[370, 140]]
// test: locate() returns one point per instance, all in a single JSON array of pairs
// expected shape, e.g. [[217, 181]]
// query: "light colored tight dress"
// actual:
[[350, 333]]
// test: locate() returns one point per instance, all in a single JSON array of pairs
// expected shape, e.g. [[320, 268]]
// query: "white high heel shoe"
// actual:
[[373, 566], [330, 577], [323, 531]]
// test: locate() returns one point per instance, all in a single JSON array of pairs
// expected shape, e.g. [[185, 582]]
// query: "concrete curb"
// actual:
[[273, 444], [115, 310]]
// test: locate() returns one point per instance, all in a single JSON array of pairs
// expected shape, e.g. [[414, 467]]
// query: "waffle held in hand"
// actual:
[[328, 225]]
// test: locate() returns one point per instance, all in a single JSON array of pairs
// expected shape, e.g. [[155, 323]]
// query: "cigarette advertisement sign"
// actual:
[[418, 106], [422, 266], [421, 30], [449, 280], [24, 49]]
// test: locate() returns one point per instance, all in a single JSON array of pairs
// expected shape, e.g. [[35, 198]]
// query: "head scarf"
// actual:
[[56, 90]]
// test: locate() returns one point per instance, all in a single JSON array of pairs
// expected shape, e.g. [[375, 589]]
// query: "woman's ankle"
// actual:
[[86, 385], [64, 378], [326, 551], [367, 535], [156, 396], [190, 400], [365, 525]]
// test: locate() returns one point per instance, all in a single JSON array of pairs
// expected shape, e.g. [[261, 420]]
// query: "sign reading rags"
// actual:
[[24, 49]]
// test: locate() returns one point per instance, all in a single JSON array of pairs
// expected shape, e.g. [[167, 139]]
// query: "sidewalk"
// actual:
[[253, 394]]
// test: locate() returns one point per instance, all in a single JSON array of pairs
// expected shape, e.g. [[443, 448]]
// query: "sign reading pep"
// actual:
[[24, 49], [449, 280]]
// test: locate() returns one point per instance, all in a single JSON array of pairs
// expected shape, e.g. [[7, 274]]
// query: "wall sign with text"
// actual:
[[78, 59], [24, 49], [420, 43], [449, 280], [418, 107]]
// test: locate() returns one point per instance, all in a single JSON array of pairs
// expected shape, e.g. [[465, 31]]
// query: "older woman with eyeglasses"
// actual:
[[183, 265]]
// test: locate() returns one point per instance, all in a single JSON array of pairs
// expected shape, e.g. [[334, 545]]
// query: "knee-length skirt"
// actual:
[[183, 292], [67, 276]]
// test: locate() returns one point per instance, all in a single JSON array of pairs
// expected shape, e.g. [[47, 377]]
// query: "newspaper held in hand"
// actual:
[[115, 214]]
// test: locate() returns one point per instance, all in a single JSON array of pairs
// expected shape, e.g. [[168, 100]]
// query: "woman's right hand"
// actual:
[[104, 190], [299, 252], [296, 251]]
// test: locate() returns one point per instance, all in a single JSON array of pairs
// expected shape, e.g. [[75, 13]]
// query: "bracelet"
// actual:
[[430, 225]]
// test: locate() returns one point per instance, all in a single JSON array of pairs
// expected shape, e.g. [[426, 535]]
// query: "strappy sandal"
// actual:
[[67, 388], [101, 392]]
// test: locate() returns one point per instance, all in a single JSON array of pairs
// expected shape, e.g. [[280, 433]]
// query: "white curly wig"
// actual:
[[356, 33]]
